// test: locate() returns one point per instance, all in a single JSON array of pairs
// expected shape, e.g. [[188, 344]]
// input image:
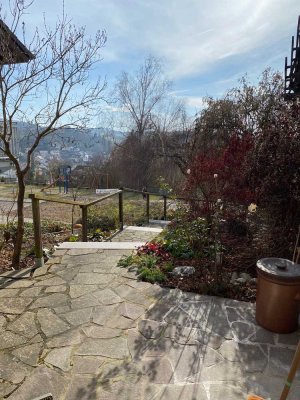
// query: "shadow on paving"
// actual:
[[104, 335]]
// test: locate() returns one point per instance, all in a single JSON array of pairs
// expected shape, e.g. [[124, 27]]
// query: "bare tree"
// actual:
[[52, 91], [152, 115], [141, 94]]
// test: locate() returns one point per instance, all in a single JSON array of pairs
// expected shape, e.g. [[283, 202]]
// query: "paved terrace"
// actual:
[[83, 328]]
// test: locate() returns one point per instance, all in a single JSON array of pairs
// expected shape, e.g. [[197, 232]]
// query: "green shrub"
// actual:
[[103, 222], [167, 266], [147, 261], [73, 238], [98, 235], [147, 266], [185, 239], [52, 227], [152, 275], [127, 261]]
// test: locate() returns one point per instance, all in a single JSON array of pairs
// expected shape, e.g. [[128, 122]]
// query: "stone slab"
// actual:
[[85, 301], [83, 388], [29, 354], [22, 283], [79, 290], [50, 301], [50, 281], [50, 323], [24, 325], [101, 245], [6, 388], [42, 380], [124, 390], [119, 322], [232, 392], [101, 332], [10, 340], [87, 364], [78, 317], [112, 348], [131, 311], [56, 289], [6, 292], [12, 370], [79, 252], [69, 338], [151, 329], [142, 229], [31, 292], [157, 370], [92, 278], [14, 305], [184, 391], [102, 313], [107, 297], [60, 358]]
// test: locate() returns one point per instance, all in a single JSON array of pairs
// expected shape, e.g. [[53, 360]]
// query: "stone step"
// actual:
[[159, 222], [142, 229], [101, 245]]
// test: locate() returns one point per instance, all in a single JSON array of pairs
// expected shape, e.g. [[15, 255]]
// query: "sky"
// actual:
[[204, 45]]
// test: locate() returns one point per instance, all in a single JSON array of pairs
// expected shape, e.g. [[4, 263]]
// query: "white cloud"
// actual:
[[194, 101], [192, 35], [189, 35]]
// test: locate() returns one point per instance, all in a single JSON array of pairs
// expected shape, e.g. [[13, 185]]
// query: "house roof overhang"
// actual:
[[12, 50]]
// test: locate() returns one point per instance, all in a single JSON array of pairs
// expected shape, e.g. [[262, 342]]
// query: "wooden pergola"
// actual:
[[292, 71], [12, 51]]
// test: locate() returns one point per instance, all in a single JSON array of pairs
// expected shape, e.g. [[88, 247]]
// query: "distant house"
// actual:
[[12, 51]]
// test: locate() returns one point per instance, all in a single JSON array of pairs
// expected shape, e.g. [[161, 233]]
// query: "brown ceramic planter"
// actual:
[[278, 295]]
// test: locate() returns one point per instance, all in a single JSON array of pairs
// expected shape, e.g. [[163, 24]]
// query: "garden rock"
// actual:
[[183, 271], [240, 280], [234, 276], [245, 276]]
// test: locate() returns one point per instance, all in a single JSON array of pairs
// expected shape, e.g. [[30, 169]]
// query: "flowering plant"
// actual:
[[155, 249]]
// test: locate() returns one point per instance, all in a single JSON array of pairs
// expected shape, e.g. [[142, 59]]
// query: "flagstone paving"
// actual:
[[83, 328]]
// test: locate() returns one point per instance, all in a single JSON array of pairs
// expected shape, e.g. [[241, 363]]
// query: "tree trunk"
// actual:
[[20, 224]]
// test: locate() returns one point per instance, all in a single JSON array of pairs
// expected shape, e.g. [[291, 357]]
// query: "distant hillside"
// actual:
[[93, 140]]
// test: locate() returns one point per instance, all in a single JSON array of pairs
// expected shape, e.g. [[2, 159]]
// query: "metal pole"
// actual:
[[38, 246], [165, 208], [121, 214], [84, 223], [148, 207]]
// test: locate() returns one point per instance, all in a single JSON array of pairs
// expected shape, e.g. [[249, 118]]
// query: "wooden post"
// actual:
[[165, 208], [121, 215], [84, 223], [38, 246], [148, 207]]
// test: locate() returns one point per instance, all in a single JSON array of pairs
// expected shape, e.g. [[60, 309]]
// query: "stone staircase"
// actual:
[[128, 239]]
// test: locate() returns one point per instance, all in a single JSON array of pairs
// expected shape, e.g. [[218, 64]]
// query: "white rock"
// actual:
[[240, 280], [245, 276], [234, 276], [186, 271]]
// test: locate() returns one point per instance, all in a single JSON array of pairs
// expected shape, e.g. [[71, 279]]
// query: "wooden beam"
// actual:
[[38, 245]]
